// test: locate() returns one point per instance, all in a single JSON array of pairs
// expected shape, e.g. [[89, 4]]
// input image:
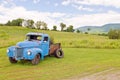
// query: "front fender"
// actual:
[[11, 51], [34, 52]]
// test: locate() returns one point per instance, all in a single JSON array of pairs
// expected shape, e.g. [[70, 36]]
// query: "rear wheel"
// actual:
[[12, 60], [59, 53], [36, 60]]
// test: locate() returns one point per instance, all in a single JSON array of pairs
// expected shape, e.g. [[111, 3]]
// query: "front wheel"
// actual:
[[36, 59], [12, 60], [59, 53]]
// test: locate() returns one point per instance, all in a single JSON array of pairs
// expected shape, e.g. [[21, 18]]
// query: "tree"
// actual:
[[54, 28], [1, 24], [15, 22], [30, 23], [44, 26], [70, 28], [38, 24], [78, 31], [8, 23], [88, 29], [62, 25], [18, 22]]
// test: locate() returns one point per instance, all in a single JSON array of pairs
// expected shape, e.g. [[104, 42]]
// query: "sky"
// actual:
[[71, 12]]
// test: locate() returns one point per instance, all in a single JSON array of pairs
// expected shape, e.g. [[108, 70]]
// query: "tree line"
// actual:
[[40, 25]]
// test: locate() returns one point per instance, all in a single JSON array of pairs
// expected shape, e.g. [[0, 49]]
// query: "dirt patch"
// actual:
[[110, 74]]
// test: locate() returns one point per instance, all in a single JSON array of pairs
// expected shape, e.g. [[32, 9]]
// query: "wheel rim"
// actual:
[[59, 53], [36, 60]]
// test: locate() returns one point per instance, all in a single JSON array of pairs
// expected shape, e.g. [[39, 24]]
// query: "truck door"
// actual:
[[45, 46]]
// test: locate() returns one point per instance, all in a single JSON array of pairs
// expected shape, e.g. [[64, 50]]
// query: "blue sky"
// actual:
[[71, 12]]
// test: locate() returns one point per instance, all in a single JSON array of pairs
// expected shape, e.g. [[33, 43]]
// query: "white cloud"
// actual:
[[74, 3], [84, 5], [94, 19], [66, 2], [36, 1], [82, 8], [56, 17], [85, 8], [7, 3], [20, 12], [114, 3], [23, 0]]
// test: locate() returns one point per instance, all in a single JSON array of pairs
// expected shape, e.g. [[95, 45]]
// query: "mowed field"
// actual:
[[78, 61]]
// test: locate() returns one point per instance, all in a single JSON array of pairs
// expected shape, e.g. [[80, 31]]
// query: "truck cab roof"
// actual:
[[36, 34], [33, 36]]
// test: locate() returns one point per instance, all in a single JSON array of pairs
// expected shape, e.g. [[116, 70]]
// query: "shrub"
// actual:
[[103, 34], [51, 40], [78, 31], [114, 34], [86, 32]]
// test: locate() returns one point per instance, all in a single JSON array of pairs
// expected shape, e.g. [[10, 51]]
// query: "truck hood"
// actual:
[[28, 44]]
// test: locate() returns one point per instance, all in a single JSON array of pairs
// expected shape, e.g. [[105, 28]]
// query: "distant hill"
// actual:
[[99, 29]]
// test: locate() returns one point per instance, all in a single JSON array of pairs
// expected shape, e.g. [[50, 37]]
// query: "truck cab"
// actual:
[[42, 40], [35, 47]]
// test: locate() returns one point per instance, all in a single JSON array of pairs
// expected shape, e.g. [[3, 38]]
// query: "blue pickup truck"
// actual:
[[34, 48]]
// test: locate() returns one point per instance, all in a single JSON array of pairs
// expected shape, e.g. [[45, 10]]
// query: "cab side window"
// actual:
[[45, 39]]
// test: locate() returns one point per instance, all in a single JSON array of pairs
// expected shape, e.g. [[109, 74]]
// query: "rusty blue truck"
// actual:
[[34, 48]]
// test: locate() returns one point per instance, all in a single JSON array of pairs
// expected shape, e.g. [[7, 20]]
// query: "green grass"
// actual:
[[81, 56], [77, 61], [10, 35]]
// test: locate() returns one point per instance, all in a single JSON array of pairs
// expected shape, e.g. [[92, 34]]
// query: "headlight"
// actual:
[[8, 50], [29, 52]]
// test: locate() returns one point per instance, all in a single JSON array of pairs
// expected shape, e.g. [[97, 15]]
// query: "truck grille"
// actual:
[[18, 52]]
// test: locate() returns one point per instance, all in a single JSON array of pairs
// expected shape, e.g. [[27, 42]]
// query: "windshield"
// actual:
[[33, 37]]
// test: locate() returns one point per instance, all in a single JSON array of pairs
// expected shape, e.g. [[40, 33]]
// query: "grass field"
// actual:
[[77, 61], [81, 56], [11, 35]]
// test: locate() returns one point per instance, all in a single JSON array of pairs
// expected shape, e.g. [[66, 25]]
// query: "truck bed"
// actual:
[[54, 47]]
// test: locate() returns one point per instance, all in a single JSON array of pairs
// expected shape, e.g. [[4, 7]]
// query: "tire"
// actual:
[[36, 60], [12, 60], [59, 53]]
